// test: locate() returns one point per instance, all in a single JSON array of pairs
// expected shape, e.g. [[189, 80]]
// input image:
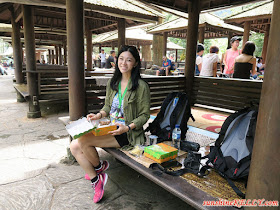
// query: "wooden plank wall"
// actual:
[[160, 87], [233, 94]]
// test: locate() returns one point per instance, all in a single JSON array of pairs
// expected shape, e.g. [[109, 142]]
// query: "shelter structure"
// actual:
[[134, 36], [62, 23], [210, 26], [264, 179], [257, 18]]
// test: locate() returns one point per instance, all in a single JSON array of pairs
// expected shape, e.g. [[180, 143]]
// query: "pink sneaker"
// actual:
[[99, 187], [105, 166]]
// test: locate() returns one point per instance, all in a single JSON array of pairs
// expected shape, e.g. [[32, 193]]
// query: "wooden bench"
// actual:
[[160, 87], [229, 94], [52, 84], [22, 92]]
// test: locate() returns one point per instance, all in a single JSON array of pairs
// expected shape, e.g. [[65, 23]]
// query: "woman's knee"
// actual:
[[75, 147], [83, 142]]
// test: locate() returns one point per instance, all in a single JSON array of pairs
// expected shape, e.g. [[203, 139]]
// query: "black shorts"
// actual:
[[122, 139]]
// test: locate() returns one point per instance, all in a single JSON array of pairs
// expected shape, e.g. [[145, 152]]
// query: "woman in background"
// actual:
[[245, 64]]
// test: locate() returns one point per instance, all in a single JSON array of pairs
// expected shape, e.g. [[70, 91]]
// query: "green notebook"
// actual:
[[81, 127]]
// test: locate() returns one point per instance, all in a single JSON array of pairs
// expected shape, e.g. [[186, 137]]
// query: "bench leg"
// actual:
[[20, 98]]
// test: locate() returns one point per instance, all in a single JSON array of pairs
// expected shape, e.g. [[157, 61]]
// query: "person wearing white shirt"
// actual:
[[102, 57], [198, 60], [209, 63]]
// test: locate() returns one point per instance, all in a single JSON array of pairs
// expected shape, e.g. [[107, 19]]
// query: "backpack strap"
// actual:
[[233, 186]]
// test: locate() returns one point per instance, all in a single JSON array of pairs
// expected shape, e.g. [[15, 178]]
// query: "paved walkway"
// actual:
[[33, 177]]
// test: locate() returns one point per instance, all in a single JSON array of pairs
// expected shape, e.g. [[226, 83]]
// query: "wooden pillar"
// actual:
[[32, 76], [157, 47], [265, 42], [50, 56], [99, 47], [89, 48], [246, 34], [146, 53], [176, 55], [264, 179], [193, 11], [121, 33], [75, 43], [230, 35], [65, 53], [201, 35], [56, 54], [164, 43], [53, 57], [59, 55], [17, 51]]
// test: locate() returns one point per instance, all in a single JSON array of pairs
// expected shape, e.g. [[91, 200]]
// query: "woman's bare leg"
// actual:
[[85, 152]]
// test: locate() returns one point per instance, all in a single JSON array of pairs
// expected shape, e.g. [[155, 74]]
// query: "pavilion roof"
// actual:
[[260, 16], [100, 15], [134, 35], [205, 5], [215, 27]]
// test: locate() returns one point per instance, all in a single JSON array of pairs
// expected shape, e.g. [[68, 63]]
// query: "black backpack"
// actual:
[[231, 155], [175, 109]]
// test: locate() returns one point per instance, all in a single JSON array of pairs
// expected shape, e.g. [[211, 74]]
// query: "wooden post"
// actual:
[[157, 47], [230, 34], [193, 11], [75, 43], [65, 53], [121, 33], [146, 53], [246, 34], [56, 54], [59, 55], [89, 48], [265, 43], [201, 34], [52, 56], [176, 55], [164, 44], [32, 76], [264, 179], [17, 51]]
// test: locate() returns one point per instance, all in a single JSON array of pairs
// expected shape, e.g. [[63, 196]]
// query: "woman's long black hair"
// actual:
[[135, 73]]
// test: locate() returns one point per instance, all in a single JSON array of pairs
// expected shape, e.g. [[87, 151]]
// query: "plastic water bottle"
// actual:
[[176, 137]]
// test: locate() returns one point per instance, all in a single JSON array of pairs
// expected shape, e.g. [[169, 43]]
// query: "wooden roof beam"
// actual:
[[103, 27], [121, 13]]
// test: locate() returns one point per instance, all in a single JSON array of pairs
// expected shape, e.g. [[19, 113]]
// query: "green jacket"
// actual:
[[136, 106]]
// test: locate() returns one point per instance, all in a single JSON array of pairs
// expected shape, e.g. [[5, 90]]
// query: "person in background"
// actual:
[[110, 62], [246, 62], [210, 62], [260, 65], [198, 61], [166, 67], [102, 57], [230, 56]]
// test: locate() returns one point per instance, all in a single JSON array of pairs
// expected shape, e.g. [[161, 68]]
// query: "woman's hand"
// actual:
[[122, 129], [93, 116]]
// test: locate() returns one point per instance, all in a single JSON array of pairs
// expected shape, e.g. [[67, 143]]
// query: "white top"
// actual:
[[259, 65], [207, 64], [103, 57], [198, 60]]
